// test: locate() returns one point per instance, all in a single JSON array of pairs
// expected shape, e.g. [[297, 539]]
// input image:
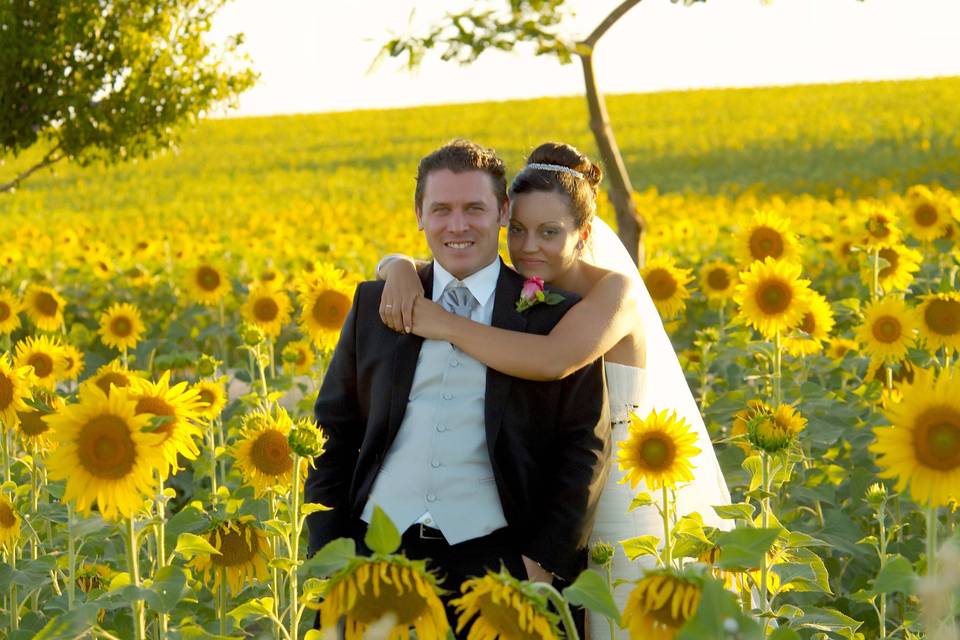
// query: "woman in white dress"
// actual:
[[553, 234]]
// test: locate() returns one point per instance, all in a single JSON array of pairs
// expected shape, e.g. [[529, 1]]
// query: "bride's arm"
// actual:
[[587, 331], [402, 287]]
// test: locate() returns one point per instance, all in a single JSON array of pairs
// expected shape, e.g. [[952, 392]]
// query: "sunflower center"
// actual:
[[809, 324], [887, 329], [301, 357], [208, 279], [773, 297], [657, 451], [266, 309], [925, 215], [765, 241], [42, 364], [5, 311], [121, 326], [207, 397], [234, 547], [937, 438], [270, 453], [878, 227], [943, 316], [661, 284], [718, 279], [407, 605], [892, 258], [8, 518], [6, 391], [158, 407], [112, 378], [105, 448], [330, 309], [32, 423], [46, 304]]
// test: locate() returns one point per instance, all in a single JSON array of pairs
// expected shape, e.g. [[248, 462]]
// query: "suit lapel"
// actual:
[[505, 316], [405, 355]]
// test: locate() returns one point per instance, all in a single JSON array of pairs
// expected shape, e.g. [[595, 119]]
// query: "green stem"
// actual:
[[667, 547], [561, 605], [295, 548], [223, 443], [777, 371], [764, 520], [71, 559], [14, 598], [274, 571], [608, 567], [882, 613], [161, 533], [212, 446], [222, 600], [124, 358], [133, 558]]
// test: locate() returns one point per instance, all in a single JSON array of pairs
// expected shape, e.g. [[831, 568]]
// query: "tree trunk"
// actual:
[[631, 225]]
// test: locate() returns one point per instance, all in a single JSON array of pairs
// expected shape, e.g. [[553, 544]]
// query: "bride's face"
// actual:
[[542, 235]]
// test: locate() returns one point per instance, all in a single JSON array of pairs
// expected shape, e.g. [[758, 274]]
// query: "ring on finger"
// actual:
[[388, 306]]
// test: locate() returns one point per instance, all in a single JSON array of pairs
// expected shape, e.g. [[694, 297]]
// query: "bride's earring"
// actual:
[[580, 244]]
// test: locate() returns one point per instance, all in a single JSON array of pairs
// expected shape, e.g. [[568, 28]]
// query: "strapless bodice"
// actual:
[[625, 390]]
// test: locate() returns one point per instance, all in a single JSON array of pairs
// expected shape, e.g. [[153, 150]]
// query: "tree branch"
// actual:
[[609, 21], [49, 159]]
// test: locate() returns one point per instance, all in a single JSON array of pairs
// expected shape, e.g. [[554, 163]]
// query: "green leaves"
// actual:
[[189, 545], [896, 576], [745, 548], [640, 546], [382, 536], [719, 616], [591, 590], [331, 558]]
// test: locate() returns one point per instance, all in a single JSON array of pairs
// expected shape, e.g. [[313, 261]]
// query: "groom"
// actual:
[[476, 468]]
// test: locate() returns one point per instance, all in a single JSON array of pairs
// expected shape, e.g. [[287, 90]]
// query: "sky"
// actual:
[[315, 55]]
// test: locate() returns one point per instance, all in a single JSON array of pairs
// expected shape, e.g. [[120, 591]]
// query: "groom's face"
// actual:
[[461, 220]]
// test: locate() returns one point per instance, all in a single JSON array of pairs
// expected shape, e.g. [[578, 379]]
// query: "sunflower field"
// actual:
[[165, 324]]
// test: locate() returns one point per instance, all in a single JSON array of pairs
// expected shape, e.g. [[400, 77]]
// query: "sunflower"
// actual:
[[901, 262], [268, 308], [45, 355], [299, 357], [244, 554], [743, 581], [718, 280], [888, 329], [72, 361], [879, 228], [212, 397], [940, 320], [14, 391], [837, 348], [121, 326], [263, 454], [816, 325], [44, 307], [10, 308], [504, 608], [774, 431], [738, 430], [9, 524], [927, 214], [922, 447], [207, 284], [660, 604], [667, 284], [767, 235], [179, 409], [104, 453], [658, 450], [772, 296], [33, 429], [111, 374], [325, 301], [368, 590]]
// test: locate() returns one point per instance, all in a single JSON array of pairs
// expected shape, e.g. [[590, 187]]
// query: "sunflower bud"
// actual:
[[291, 354], [306, 439], [774, 431], [602, 553], [876, 495], [251, 334], [207, 365]]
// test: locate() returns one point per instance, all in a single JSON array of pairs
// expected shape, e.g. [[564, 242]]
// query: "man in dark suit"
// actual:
[[476, 468]]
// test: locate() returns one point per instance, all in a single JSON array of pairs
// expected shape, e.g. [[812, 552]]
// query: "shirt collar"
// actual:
[[481, 284]]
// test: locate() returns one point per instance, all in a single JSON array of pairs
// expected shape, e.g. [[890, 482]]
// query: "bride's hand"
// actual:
[[402, 287], [430, 320]]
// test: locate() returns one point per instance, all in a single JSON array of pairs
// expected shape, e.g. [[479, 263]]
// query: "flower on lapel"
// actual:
[[533, 294]]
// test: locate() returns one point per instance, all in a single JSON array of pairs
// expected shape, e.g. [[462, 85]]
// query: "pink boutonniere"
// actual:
[[533, 294]]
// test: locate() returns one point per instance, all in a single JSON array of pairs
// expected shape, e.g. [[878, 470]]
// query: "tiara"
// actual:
[[554, 167]]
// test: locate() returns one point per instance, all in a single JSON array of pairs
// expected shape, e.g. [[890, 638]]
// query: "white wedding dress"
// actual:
[[660, 385]]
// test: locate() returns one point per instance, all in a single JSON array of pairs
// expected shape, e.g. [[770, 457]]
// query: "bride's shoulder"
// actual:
[[607, 282]]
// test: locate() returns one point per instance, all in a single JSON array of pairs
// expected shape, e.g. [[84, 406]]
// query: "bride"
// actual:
[[553, 234]]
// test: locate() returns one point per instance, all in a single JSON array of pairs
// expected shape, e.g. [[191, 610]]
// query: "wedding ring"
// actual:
[[388, 306]]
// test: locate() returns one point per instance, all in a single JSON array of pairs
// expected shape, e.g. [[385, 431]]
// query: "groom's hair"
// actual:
[[461, 155]]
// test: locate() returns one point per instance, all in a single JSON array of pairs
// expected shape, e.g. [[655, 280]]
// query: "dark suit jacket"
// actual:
[[549, 442]]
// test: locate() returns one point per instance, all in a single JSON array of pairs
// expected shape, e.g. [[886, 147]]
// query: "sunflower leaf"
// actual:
[[745, 548], [382, 535], [897, 575], [640, 546], [257, 607], [331, 558], [641, 500], [189, 545], [590, 590]]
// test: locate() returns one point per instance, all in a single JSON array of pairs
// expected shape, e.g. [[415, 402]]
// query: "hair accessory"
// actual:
[[559, 168]]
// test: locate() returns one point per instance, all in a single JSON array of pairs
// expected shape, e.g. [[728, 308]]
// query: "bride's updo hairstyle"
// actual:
[[578, 183]]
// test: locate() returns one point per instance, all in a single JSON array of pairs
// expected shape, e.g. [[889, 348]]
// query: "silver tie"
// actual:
[[458, 299]]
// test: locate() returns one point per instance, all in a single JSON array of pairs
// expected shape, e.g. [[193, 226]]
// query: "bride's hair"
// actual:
[[561, 168]]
